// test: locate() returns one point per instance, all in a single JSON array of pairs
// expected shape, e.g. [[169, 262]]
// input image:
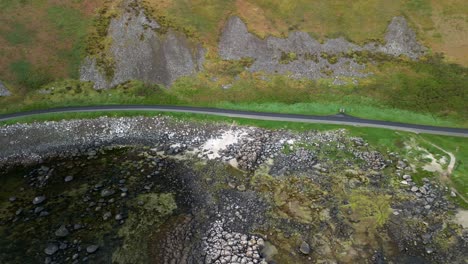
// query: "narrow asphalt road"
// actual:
[[339, 119]]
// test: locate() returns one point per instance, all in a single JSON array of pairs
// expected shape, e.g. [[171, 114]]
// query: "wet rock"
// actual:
[[92, 248], [43, 213], [241, 187], [38, 200], [429, 250], [68, 179], [118, 217], [106, 215], [62, 231], [107, 192], [51, 249], [304, 248]]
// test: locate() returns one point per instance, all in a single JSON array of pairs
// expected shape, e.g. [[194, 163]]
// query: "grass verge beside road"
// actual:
[[383, 139]]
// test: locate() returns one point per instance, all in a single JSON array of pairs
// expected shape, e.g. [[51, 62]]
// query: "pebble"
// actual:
[[38, 200], [107, 192], [305, 248], [414, 189], [106, 215], [12, 199], [429, 250], [92, 248], [51, 249], [68, 179], [62, 231], [118, 217]]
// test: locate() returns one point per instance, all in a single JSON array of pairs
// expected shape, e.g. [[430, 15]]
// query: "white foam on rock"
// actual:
[[214, 146]]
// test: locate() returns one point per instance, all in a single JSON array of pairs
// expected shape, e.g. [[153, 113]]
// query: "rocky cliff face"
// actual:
[[3, 90], [140, 53], [302, 56]]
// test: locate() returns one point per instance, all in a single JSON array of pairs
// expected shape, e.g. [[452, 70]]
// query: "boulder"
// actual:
[[3, 90]]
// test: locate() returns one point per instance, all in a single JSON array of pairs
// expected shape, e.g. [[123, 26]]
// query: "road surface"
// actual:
[[339, 119]]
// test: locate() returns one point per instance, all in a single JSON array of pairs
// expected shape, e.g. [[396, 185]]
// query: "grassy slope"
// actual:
[[384, 139], [42, 40], [51, 45], [441, 25]]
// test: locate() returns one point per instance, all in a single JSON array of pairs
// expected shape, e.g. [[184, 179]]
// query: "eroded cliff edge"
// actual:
[[139, 51], [301, 56]]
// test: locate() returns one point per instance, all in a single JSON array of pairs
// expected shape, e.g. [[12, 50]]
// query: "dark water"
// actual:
[[109, 192]]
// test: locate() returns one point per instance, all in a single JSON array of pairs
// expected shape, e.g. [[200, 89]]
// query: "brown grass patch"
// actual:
[[256, 20]]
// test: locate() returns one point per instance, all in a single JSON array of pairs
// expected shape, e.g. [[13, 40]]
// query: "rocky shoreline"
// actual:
[[97, 190]]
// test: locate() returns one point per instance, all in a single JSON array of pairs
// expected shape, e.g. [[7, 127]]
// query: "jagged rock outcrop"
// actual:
[[3, 90], [401, 40], [141, 53], [305, 61]]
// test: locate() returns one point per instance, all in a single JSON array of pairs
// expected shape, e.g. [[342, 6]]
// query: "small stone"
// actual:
[[106, 215], [414, 189], [404, 182], [429, 250], [43, 213], [12, 199], [107, 192], [62, 231], [38, 209], [305, 248], [38, 199], [68, 179], [118, 217], [241, 187], [92, 248], [453, 194], [77, 226], [51, 249]]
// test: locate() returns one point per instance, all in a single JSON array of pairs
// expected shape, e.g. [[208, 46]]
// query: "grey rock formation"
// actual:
[[3, 90], [236, 43], [401, 40], [140, 53]]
